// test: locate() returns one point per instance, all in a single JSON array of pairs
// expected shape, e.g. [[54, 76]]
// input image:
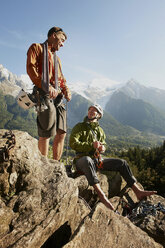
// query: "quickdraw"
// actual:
[[99, 160], [6, 149]]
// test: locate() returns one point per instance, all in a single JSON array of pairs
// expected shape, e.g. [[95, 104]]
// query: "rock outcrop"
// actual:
[[43, 198], [104, 228], [40, 206]]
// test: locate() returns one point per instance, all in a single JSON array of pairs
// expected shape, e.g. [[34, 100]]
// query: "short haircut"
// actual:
[[56, 30]]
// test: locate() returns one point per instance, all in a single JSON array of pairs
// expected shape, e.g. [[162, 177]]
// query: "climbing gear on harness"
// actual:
[[98, 159], [26, 100], [41, 105], [58, 100], [97, 154], [7, 148]]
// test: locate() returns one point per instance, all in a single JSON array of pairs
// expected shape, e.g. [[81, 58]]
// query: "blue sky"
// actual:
[[113, 39]]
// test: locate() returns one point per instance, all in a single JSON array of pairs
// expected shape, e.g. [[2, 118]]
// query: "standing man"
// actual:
[[88, 140], [44, 69]]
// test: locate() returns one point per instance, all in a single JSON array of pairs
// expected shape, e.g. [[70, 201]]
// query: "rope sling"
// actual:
[[145, 208]]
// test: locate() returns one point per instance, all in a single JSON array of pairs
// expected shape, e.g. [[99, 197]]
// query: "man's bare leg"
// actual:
[[43, 145], [141, 194], [103, 197], [58, 144]]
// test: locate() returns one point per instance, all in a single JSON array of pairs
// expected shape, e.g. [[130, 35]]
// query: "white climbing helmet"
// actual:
[[24, 101], [99, 109]]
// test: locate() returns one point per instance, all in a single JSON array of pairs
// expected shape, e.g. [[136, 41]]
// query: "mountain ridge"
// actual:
[[77, 109], [97, 90], [136, 113], [10, 84], [154, 96]]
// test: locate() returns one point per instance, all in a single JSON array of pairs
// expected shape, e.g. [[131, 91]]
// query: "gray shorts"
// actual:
[[51, 119]]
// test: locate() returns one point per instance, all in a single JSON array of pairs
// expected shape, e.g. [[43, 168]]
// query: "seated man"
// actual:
[[88, 140]]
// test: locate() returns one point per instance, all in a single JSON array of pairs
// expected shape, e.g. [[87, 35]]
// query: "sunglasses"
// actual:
[[60, 30]]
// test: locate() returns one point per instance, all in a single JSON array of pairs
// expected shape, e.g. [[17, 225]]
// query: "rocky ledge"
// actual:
[[40, 206]]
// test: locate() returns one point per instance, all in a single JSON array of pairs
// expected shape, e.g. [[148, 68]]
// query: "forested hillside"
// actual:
[[148, 166], [118, 136], [136, 113], [14, 117]]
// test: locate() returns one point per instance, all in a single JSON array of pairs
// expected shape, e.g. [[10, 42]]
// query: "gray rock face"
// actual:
[[40, 206], [44, 197], [105, 229]]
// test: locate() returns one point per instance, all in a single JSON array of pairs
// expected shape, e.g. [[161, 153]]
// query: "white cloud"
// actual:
[[103, 82]]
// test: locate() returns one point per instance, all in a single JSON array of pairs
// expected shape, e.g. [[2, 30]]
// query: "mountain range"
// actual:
[[132, 104], [136, 113], [10, 84], [154, 96], [133, 113]]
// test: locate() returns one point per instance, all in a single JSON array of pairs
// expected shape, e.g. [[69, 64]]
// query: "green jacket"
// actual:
[[82, 137]]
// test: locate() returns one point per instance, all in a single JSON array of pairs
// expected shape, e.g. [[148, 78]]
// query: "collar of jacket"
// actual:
[[92, 124]]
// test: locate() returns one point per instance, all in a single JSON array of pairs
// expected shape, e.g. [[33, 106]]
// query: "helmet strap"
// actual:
[[94, 118]]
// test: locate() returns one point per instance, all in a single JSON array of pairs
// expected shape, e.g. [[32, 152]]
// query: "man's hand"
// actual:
[[96, 144], [99, 146], [53, 93], [68, 96]]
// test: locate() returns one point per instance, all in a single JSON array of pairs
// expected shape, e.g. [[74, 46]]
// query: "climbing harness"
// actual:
[[7, 148], [97, 154], [98, 159]]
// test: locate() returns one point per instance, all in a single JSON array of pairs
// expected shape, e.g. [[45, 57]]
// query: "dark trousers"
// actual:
[[88, 166]]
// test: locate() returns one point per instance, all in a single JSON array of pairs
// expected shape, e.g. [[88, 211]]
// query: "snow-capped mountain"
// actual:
[[97, 90], [108, 94], [152, 95], [136, 90], [11, 84]]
